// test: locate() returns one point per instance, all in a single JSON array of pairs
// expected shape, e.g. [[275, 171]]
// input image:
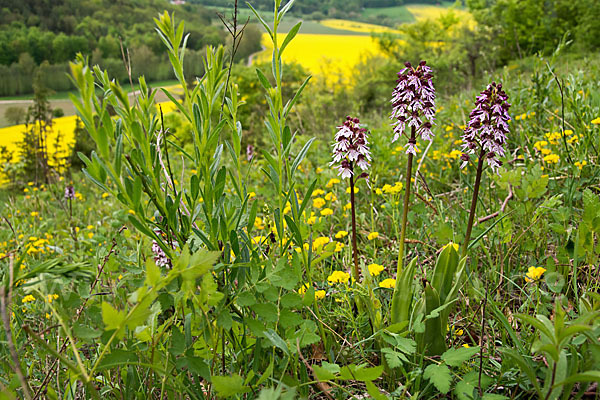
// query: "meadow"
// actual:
[[196, 256]]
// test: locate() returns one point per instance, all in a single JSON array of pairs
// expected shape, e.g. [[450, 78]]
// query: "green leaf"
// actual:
[[374, 391], [245, 299], [276, 340], [301, 155], [455, 357], [361, 372], [291, 34], [267, 374], [440, 376], [152, 272], [86, 333], [112, 318], [116, 358], [227, 386], [394, 358], [326, 372], [587, 376]]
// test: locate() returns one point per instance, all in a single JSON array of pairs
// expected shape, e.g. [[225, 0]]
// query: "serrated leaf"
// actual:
[[455, 357], [394, 358], [440, 376]]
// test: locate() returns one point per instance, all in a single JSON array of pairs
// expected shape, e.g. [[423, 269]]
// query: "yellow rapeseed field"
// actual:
[[330, 56], [423, 12], [11, 136], [354, 26]]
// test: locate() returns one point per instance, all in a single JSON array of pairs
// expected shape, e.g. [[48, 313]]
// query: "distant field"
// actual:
[[331, 56], [400, 13]]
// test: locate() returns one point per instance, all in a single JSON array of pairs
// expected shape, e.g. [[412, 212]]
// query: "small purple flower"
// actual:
[[488, 127], [160, 258], [413, 103], [351, 148], [249, 152], [69, 193]]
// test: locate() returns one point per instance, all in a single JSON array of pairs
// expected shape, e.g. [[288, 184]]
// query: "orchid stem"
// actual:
[[355, 271], [473, 203], [405, 207]]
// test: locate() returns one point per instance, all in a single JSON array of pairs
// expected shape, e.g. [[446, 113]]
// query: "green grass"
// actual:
[[398, 13]]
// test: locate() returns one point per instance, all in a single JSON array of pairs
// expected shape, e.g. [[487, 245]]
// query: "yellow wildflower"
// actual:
[[552, 158], [375, 269], [596, 121], [259, 224], [341, 234], [326, 211], [105, 195], [373, 235], [320, 242], [534, 273], [318, 202], [303, 289], [318, 192], [27, 299], [356, 190], [338, 277], [332, 182], [581, 164], [339, 246], [330, 197], [320, 294], [389, 283]]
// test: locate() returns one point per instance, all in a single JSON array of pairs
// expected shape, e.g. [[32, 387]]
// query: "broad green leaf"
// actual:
[[227, 386], [440, 376], [374, 391], [455, 357]]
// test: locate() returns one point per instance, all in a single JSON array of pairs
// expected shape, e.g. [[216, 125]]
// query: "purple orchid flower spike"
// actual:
[[488, 127], [413, 104]]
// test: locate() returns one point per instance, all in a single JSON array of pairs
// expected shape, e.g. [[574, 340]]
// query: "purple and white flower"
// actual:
[[413, 104], [351, 148], [488, 127]]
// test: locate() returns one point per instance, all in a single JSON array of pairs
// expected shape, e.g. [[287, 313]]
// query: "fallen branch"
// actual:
[[502, 207], [325, 388]]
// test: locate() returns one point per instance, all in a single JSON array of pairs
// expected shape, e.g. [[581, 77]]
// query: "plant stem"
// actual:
[[473, 203], [355, 271], [405, 207]]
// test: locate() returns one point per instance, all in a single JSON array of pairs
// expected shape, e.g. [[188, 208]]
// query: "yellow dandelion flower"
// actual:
[[534, 273]]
